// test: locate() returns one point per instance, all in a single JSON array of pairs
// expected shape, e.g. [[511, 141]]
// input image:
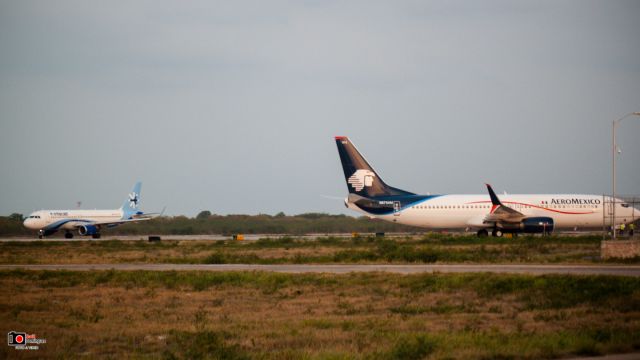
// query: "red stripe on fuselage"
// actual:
[[534, 206]]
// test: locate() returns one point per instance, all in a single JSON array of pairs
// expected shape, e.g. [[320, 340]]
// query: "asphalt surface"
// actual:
[[620, 270], [247, 237], [218, 237]]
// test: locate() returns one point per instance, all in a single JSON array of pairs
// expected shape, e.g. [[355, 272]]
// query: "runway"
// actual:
[[247, 237], [619, 270], [213, 237]]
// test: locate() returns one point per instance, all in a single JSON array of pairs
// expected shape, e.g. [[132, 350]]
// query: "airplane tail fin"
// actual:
[[360, 176], [131, 205]]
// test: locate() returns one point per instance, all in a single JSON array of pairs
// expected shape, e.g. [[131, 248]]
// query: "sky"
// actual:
[[233, 106]]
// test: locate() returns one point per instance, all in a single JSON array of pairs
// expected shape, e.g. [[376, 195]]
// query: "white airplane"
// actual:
[[514, 214], [87, 222]]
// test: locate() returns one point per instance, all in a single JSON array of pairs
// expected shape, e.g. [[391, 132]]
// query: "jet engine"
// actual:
[[87, 230], [537, 225]]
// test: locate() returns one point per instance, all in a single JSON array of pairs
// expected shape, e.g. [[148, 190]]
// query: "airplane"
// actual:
[[88, 222], [515, 214]]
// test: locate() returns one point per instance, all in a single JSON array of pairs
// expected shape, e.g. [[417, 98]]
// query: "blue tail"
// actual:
[[131, 206], [361, 178]]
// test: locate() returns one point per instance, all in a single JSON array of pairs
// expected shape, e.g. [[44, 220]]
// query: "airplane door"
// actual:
[[396, 208]]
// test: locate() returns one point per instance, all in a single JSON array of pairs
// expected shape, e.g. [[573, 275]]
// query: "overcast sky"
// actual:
[[232, 106]]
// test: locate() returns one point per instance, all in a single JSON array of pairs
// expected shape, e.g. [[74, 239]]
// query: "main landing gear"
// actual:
[[95, 236], [495, 233], [68, 235]]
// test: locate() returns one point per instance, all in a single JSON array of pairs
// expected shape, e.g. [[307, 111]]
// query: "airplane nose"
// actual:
[[28, 223]]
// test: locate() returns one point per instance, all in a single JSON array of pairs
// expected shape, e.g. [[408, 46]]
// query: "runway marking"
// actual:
[[619, 270]]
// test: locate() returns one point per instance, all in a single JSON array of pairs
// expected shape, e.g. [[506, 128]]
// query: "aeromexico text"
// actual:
[[576, 201]]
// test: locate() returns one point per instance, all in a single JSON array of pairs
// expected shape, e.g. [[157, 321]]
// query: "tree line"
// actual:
[[206, 223]]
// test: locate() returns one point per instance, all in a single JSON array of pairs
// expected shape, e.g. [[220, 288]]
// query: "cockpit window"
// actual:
[[624, 205]]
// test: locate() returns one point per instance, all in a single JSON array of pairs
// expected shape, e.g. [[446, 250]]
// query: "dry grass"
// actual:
[[274, 316], [323, 250]]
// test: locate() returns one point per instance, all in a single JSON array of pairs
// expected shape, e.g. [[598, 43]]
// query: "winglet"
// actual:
[[494, 198]]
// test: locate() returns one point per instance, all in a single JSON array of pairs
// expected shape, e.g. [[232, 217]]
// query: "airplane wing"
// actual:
[[123, 221], [501, 213], [135, 217], [148, 216]]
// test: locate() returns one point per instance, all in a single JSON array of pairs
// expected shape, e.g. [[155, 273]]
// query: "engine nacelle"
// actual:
[[87, 230], [537, 225]]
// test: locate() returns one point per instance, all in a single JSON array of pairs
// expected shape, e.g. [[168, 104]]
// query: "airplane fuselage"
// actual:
[[70, 219], [568, 211]]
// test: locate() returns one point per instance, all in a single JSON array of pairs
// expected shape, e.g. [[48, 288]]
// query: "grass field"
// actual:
[[427, 249], [238, 315], [260, 315]]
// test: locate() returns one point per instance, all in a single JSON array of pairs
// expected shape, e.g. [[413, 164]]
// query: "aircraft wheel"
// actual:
[[497, 233], [68, 235], [96, 236], [483, 233], [40, 236]]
